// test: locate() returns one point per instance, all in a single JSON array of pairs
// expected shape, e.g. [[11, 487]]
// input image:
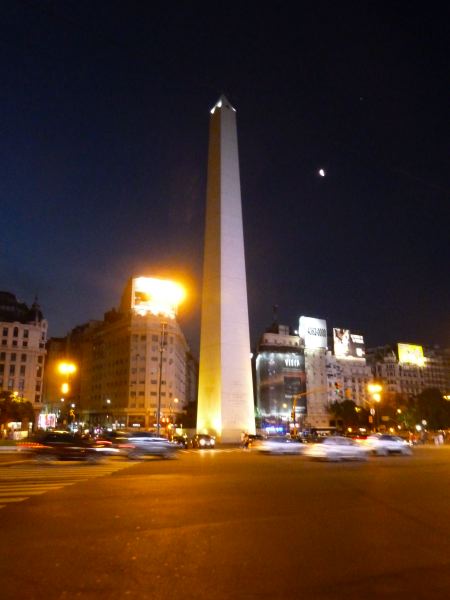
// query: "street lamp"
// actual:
[[375, 390]]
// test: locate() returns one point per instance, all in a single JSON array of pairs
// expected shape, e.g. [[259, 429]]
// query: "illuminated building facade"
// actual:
[[22, 352], [313, 333], [225, 396], [130, 363], [280, 379], [347, 379], [408, 369]]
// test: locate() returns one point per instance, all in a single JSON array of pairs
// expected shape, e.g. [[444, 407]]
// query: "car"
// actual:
[[148, 443], [180, 440], [278, 444], [335, 448], [383, 444], [62, 445], [115, 442], [203, 441]]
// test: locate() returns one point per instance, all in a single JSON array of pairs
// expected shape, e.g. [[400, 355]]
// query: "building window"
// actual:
[[15, 331], [24, 344], [5, 331], [23, 358], [12, 369], [22, 370], [25, 333], [13, 357], [4, 342], [2, 355]]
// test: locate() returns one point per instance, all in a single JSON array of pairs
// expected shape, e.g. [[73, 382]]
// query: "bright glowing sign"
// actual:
[[314, 332], [156, 296], [348, 344], [411, 355]]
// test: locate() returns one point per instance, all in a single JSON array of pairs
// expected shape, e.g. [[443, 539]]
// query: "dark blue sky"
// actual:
[[104, 112]]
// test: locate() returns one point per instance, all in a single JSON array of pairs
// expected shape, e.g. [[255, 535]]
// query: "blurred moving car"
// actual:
[[180, 440], [383, 444], [147, 443], [203, 440], [279, 444], [62, 445], [336, 448]]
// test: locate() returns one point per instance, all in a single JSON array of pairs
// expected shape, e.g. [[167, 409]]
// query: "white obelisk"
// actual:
[[225, 394]]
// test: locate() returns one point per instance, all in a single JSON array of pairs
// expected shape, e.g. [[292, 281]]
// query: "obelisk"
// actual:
[[225, 394]]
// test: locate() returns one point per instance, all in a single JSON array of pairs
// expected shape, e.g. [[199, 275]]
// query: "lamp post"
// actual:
[[66, 369], [375, 390]]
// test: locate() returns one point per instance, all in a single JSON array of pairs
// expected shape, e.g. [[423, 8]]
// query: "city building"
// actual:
[[280, 380], [348, 374], [313, 332], [22, 352], [133, 368], [408, 369], [225, 396]]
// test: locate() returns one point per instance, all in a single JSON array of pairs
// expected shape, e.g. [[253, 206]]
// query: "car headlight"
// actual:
[[202, 442]]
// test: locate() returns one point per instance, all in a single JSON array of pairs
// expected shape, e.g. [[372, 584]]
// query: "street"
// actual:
[[228, 523]]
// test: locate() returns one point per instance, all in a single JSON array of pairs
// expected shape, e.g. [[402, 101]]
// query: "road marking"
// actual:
[[20, 482], [14, 499]]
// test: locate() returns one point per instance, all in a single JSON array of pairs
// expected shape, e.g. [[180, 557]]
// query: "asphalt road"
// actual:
[[231, 525]]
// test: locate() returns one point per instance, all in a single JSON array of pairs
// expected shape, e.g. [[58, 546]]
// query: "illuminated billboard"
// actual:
[[280, 377], [155, 296], [314, 332], [410, 354], [347, 344]]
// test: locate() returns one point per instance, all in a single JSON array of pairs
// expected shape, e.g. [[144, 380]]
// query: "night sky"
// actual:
[[104, 135]]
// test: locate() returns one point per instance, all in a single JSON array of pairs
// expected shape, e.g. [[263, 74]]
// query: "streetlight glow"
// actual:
[[375, 388], [66, 368]]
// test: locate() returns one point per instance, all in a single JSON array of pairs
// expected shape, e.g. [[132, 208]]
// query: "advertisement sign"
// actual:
[[410, 354], [348, 344], [155, 296], [280, 377], [314, 332]]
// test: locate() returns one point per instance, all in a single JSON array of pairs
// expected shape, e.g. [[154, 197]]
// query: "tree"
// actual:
[[433, 408], [12, 409], [348, 414]]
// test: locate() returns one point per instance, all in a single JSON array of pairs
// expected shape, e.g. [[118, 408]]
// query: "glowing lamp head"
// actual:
[[375, 388], [65, 368]]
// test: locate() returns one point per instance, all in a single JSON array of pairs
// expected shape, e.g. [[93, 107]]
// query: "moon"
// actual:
[[322, 172]]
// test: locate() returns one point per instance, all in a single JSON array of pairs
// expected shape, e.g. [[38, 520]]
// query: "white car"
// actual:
[[336, 448], [142, 443], [383, 444], [278, 445]]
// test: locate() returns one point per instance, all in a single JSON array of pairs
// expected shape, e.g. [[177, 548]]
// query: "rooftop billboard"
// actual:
[[410, 354], [314, 332], [347, 344]]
